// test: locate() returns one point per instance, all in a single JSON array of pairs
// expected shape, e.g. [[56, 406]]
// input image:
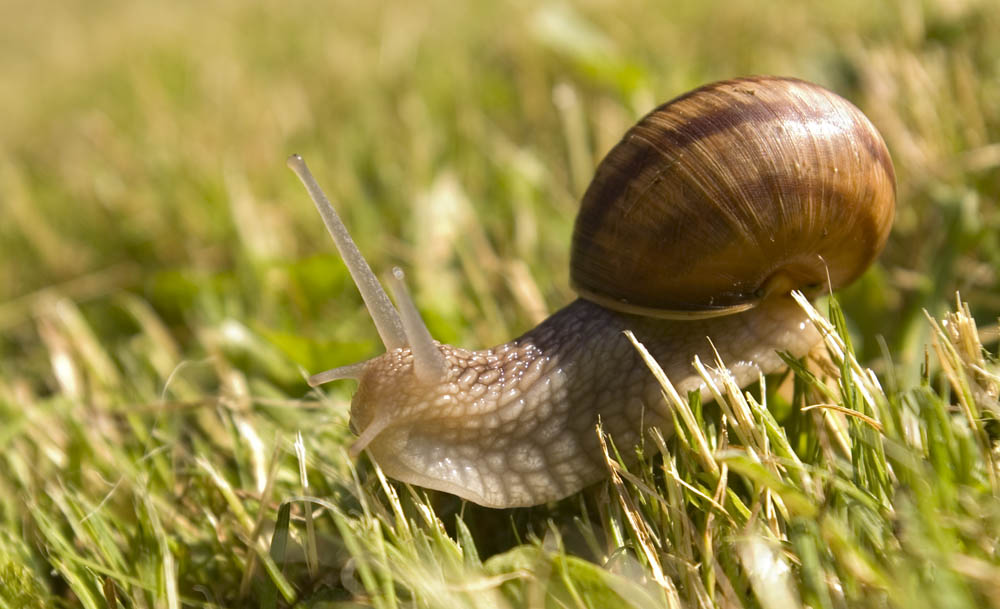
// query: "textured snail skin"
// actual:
[[515, 425]]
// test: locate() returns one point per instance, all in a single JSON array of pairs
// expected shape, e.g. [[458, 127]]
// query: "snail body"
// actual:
[[695, 229], [515, 425]]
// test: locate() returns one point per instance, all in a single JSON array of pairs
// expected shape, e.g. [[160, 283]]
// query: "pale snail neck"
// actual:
[[515, 424]]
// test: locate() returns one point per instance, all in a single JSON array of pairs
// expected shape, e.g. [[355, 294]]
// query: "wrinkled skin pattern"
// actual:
[[515, 425]]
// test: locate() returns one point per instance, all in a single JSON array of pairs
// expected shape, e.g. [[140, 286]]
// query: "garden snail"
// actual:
[[696, 226]]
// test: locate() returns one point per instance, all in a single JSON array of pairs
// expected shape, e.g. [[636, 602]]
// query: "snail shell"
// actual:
[[708, 213], [733, 191]]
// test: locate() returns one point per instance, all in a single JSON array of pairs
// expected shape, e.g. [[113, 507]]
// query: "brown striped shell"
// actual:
[[732, 192]]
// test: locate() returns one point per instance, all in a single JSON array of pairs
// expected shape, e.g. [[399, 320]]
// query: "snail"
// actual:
[[695, 229]]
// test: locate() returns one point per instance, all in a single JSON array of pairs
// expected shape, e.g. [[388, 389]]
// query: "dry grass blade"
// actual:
[[681, 407], [638, 526]]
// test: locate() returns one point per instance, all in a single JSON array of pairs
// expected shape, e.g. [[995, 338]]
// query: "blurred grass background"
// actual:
[[163, 278]]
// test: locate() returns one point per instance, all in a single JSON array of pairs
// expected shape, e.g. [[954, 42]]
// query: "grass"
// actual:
[[164, 283]]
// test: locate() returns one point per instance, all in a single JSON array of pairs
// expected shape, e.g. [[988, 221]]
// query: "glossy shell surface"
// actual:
[[735, 191]]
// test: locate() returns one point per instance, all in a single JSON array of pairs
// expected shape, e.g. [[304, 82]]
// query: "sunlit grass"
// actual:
[[165, 287]]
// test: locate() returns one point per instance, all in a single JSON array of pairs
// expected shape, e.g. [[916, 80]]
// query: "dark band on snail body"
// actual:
[[724, 105]]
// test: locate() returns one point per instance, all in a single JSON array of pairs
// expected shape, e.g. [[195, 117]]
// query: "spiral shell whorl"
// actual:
[[735, 190]]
